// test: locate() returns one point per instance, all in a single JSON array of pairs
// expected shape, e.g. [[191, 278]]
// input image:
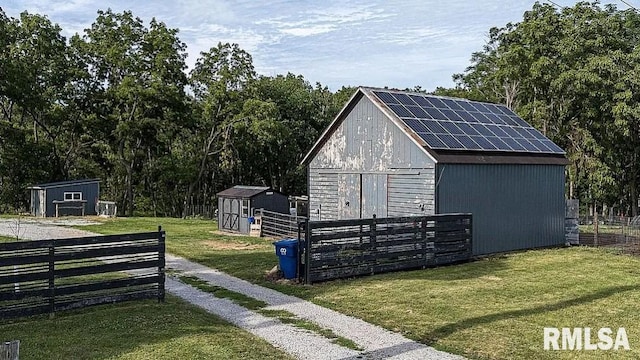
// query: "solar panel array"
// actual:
[[455, 124]]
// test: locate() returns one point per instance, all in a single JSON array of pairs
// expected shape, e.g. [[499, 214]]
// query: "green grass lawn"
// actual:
[[135, 330], [494, 308], [247, 257]]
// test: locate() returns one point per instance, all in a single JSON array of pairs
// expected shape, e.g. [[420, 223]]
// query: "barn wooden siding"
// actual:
[[369, 163]]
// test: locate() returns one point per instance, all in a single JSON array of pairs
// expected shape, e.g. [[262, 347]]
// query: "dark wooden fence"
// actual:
[[46, 276], [346, 248]]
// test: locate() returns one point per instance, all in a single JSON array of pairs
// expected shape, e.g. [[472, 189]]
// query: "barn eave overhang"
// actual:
[[466, 157]]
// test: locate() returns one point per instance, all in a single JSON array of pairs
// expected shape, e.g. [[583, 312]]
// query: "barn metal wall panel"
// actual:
[[366, 142], [513, 206]]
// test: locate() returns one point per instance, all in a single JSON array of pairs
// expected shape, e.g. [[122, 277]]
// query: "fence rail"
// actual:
[[346, 248], [619, 233], [46, 276], [278, 225]]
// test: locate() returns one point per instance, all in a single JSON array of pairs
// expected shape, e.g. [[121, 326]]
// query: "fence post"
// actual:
[[423, 237], [307, 253], [161, 263], [52, 277], [299, 253], [373, 237], [10, 350]]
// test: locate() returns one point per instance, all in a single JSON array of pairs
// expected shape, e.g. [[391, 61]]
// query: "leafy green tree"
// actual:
[[221, 83], [568, 72], [139, 82]]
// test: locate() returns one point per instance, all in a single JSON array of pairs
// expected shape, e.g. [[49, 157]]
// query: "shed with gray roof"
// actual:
[[237, 204]]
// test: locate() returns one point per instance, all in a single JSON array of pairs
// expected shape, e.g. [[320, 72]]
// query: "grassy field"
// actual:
[[198, 240], [135, 330], [489, 309]]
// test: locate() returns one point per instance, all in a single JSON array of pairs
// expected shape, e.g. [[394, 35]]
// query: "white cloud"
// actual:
[[311, 22], [399, 43], [416, 35], [309, 31]]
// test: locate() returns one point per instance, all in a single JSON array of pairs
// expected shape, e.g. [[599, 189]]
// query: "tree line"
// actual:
[[574, 73], [117, 103]]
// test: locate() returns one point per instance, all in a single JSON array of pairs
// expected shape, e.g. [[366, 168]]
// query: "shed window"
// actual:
[[245, 208], [72, 196]]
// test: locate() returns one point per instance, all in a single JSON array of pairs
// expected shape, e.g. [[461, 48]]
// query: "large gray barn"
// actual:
[[74, 197], [394, 153]]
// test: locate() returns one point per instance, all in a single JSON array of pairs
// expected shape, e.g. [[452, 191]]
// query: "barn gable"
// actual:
[[368, 164], [367, 139]]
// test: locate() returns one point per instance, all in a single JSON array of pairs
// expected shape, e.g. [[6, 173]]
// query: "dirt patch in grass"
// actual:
[[225, 245], [224, 233]]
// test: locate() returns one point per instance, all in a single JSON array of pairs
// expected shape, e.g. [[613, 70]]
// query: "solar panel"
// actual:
[[418, 112], [458, 124]]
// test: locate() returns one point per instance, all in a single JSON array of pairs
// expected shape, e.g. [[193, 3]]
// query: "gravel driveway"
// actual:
[[378, 343], [41, 229]]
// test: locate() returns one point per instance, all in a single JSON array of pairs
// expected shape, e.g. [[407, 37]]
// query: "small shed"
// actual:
[[237, 204], [74, 197], [395, 153]]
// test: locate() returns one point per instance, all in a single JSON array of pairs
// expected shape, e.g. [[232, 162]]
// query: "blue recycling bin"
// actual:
[[287, 251]]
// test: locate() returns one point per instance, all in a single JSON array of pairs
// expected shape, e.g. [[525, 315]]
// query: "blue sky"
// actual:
[[373, 43]]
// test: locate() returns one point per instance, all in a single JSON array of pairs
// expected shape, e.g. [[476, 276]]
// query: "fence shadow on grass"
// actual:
[[447, 330], [459, 271], [109, 331]]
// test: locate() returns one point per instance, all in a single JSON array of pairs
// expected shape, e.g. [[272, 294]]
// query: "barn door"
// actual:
[[374, 195], [349, 186]]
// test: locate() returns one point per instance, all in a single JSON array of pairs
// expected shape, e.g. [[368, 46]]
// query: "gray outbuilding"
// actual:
[[394, 153], [237, 204], [74, 197]]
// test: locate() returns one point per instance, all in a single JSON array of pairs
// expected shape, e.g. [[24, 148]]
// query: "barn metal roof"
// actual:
[[437, 124], [243, 191], [64, 183]]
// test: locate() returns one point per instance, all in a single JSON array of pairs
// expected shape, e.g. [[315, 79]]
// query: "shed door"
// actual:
[[349, 194], [230, 214], [235, 214]]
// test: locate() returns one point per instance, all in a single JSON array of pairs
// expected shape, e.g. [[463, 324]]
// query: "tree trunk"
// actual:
[[634, 198], [130, 189], [206, 150]]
